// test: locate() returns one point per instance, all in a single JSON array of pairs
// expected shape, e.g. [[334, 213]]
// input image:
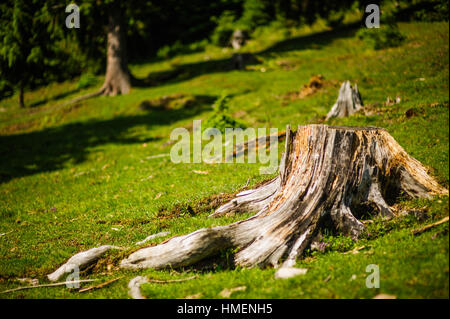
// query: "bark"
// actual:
[[117, 78], [238, 39], [79, 261], [327, 177], [134, 287], [349, 101]]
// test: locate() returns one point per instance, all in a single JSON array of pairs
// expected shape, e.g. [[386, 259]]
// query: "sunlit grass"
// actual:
[[80, 176]]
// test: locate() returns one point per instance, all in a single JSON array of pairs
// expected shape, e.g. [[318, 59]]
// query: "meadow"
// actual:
[[77, 176]]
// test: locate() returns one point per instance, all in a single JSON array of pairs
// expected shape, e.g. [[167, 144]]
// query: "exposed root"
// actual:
[[327, 174]]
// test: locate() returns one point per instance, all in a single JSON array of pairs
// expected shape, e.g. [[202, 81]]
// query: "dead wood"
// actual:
[[428, 227], [50, 285], [348, 102], [79, 261], [328, 177], [99, 286]]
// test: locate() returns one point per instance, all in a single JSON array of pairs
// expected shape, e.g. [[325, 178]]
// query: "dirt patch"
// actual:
[[191, 209], [287, 64], [373, 109], [411, 112], [316, 83], [18, 127], [175, 102], [239, 114], [110, 263], [204, 205]]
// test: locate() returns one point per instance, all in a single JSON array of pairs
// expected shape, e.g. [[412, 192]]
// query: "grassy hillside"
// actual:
[[79, 176]]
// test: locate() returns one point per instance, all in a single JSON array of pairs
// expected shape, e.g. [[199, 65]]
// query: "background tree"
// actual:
[[113, 31], [28, 51]]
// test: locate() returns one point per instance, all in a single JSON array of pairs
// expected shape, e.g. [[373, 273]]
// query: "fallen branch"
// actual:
[[84, 97], [255, 144], [355, 250], [157, 281], [427, 227], [103, 284], [50, 285]]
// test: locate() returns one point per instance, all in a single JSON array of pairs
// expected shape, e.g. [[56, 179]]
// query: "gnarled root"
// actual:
[[328, 175]]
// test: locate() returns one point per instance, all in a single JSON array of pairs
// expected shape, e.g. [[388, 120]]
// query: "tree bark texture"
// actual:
[[117, 78], [349, 101], [328, 177]]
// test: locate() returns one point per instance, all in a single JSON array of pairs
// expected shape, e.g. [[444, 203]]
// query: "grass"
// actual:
[[80, 176]]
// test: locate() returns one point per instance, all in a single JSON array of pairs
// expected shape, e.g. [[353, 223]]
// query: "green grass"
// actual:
[[79, 176]]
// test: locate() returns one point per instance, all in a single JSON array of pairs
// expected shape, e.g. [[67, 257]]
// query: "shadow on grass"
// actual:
[[50, 149], [188, 71], [313, 41], [54, 98]]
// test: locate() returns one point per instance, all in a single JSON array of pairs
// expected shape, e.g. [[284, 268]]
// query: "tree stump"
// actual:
[[238, 39], [328, 177], [348, 102]]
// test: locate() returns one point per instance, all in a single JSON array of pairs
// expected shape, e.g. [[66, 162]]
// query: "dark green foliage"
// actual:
[[171, 50], [257, 13], [86, 80], [380, 38], [5, 89], [438, 12], [220, 119], [335, 18], [254, 14], [29, 51], [433, 11], [226, 24], [422, 10]]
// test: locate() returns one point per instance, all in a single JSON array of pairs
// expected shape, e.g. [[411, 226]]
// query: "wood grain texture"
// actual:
[[348, 102], [328, 177], [80, 261]]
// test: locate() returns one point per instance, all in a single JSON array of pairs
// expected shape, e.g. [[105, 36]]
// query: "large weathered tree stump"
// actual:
[[328, 177], [348, 102]]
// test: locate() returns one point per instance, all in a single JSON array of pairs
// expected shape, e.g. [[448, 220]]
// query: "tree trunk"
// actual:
[[21, 95], [117, 78], [328, 177], [349, 101]]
